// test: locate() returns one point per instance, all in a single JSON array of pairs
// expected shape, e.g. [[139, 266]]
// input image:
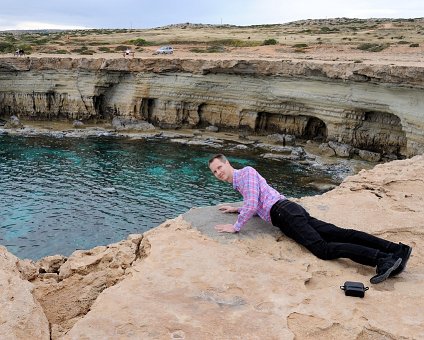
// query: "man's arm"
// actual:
[[250, 192], [225, 228], [228, 209]]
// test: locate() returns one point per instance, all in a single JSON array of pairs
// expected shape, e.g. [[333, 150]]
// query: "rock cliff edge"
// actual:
[[182, 280]]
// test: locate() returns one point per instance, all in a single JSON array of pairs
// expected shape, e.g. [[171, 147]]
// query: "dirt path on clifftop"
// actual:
[[395, 55]]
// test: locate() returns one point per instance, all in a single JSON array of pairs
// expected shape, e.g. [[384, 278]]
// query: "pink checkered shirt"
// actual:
[[258, 196]]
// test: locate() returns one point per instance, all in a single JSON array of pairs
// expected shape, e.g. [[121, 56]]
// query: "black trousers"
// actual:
[[325, 240]]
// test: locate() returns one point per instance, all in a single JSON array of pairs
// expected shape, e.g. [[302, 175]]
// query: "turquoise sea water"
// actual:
[[58, 195]]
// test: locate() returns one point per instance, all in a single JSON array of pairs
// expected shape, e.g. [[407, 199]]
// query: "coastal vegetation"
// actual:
[[371, 47]]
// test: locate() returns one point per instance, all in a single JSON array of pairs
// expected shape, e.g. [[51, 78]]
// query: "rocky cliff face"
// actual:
[[375, 107]]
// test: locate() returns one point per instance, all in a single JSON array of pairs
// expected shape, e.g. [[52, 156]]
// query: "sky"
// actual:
[[132, 14]]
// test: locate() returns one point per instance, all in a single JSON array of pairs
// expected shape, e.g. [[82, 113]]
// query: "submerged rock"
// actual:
[[77, 124], [212, 128], [124, 123], [13, 123]]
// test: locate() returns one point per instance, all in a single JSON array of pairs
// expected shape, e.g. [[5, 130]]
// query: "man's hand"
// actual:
[[225, 228], [228, 209]]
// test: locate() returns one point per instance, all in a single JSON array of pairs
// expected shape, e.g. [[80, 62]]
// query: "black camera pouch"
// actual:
[[352, 288]]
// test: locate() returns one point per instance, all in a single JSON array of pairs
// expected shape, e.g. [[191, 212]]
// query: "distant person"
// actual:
[[324, 240], [19, 53], [128, 52]]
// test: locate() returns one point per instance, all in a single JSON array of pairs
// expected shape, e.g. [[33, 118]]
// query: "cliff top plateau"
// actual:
[[382, 41]]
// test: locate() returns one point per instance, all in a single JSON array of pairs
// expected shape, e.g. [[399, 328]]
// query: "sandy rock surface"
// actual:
[[21, 315], [195, 284]]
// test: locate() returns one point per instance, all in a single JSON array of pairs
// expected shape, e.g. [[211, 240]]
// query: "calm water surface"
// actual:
[[59, 195]]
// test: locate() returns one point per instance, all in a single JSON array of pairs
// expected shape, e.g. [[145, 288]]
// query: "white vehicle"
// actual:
[[165, 50]]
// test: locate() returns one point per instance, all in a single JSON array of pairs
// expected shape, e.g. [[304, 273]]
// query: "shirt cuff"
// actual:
[[237, 227]]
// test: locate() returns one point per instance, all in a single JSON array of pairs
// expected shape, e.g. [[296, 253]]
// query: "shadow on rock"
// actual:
[[204, 219]]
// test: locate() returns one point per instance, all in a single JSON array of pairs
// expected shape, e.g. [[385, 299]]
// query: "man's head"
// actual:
[[221, 168]]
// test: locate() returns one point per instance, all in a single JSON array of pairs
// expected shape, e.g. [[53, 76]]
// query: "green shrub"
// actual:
[[300, 45], [60, 52], [26, 47], [80, 50], [270, 42], [216, 49], [6, 47], [10, 38], [140, 42], [236, 43], [41, 41], [414, 45], [210, 49], [328, 30], [197, 50], [104, 49], [121, 48], [97, 43], [372, 47], [403, 42]]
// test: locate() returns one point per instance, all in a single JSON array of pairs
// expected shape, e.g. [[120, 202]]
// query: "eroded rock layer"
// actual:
[[374, 107]]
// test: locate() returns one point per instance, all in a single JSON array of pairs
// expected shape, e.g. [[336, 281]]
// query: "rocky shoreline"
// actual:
[[338, 158]]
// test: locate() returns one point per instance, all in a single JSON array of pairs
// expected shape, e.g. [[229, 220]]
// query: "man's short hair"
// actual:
[[219, 156]]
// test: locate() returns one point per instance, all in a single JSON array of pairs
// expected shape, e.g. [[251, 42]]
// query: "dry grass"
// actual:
[[329, 39]]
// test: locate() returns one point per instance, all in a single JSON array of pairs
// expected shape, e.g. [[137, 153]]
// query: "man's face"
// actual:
[[221, 170]]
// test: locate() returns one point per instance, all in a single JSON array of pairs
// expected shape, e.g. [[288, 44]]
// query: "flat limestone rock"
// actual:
[[205, 218], [197, 284]]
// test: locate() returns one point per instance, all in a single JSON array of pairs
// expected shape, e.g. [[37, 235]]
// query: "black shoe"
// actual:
[[385, 266], [404, 253]]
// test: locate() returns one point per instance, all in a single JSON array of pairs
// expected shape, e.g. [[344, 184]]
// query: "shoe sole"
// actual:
[[402, 266], [380, 278]]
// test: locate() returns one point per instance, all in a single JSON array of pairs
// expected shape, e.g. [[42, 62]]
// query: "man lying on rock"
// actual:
[[324, 240]]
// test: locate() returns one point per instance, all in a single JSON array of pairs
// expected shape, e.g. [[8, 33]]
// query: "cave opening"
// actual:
[[146, 108], [315, 129], [380, 132], [99, 105]]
